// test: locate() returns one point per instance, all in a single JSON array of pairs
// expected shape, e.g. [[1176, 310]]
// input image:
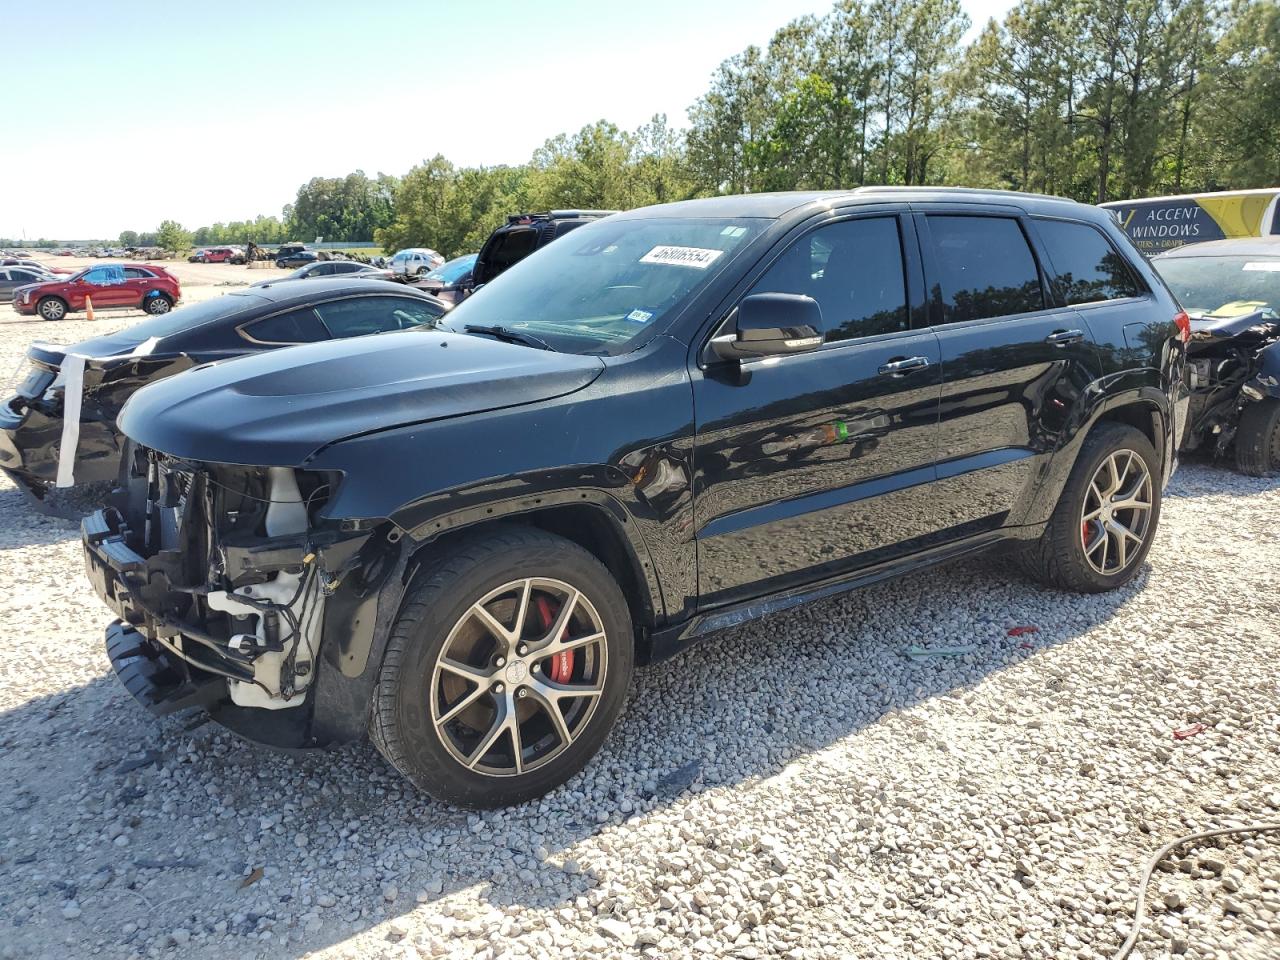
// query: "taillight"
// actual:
[[1183, 323]]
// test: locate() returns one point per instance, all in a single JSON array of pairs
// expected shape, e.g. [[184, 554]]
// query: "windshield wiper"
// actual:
[[509, 335]]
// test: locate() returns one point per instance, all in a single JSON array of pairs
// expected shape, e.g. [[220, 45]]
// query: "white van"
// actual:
[[415, 261], [1157, 224]]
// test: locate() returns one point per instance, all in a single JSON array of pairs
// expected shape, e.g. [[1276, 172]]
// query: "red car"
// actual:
[[135, 285], [217, 255]]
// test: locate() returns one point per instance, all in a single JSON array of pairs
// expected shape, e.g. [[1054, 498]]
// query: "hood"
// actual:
[[1233, 320], [279, 408]]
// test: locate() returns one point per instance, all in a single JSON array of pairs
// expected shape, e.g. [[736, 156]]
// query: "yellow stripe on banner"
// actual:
[[1238, 216]]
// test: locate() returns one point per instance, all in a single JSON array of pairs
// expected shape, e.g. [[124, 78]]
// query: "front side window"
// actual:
[[1087, 267], [104, 276], [296, 326], [854, 269], [603, 285], [985, 268], [361, 316]]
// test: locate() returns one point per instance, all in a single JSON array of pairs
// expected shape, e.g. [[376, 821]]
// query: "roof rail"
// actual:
[[962, 191]]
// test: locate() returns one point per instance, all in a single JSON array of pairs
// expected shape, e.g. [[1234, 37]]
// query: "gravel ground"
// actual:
[[796, 787]]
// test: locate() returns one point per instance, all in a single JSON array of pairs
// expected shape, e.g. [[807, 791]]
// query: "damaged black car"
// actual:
[[59, 428], [458, 542], [1231, 290]]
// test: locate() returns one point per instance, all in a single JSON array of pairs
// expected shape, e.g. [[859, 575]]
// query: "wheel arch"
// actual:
[[594, 521], [1144, 408]]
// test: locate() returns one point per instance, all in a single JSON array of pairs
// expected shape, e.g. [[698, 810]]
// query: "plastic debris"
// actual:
[[1194, 730], [1022, 631], [917, 652]]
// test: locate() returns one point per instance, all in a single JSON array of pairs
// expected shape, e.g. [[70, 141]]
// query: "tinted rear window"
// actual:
[[1087, 267], [985, 268], [206, 311], [296, 326]]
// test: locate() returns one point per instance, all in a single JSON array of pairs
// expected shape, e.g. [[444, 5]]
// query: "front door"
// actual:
[[811, 465], [1013, 364]]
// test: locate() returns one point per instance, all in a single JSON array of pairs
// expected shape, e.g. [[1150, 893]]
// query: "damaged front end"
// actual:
[[220, 576], [34, 432], [1232, 361]]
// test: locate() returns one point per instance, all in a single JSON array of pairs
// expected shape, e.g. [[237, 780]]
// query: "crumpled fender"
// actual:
[[1266, 382]]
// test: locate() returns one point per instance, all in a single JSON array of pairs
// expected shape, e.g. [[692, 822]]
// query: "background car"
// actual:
[[415, 261], [34, 264], [450, 281], [222, 254], [332, 268], [13, 277], [121, 285], [524, 233], [1231, 290], [298, 258], [246, 321]]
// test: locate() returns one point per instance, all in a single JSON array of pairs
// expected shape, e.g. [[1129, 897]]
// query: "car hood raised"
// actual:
[[279, 408]]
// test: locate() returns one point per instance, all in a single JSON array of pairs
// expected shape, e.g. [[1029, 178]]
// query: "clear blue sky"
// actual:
[[121, 114]]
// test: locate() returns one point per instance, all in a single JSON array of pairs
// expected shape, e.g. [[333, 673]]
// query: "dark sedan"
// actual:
[[11, 278], [450, 281], [299, 258], [333, 268], [105, 371]]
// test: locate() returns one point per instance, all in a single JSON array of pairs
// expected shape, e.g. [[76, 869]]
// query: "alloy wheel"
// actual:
[[519, 676], [157, 306], [1117, 512], [52, 310]]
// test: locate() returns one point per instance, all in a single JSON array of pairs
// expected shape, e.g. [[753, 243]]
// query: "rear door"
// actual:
[[811, 465], [1013, 362]]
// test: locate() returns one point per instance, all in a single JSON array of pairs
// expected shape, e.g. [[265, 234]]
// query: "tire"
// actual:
[[1067, 554], [280, 265], [52, 308], [157, 304], [430, 738], [1258, 439]]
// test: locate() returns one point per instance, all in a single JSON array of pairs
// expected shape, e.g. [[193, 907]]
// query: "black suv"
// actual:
[[521, 235], [460, 541]]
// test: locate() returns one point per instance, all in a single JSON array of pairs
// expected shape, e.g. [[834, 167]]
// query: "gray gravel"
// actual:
[[797, 787]]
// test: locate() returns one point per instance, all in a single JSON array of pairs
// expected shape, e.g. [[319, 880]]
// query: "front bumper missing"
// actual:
[[159, 681], [154, 668]]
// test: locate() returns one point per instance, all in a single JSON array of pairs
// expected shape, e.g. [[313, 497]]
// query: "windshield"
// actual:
[[599, 287], [454, 270], [1223, 286]]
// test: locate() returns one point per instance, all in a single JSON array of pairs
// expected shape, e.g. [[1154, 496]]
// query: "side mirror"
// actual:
[[772, 325]]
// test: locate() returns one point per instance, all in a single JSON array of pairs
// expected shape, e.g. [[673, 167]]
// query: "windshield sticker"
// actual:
[[734, 232], [1267, 266], [695, 257], [639, 316]]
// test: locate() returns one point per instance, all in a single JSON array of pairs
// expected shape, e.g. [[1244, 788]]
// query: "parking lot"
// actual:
[[797, 787]]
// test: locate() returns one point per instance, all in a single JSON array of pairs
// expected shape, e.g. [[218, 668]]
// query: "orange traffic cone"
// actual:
[[88, 308]]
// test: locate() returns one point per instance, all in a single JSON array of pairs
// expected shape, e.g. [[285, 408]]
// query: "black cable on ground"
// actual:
[[1127, 947]]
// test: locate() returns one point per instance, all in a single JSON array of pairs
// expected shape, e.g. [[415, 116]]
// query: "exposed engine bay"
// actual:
[[1224, 356], [221, 567]]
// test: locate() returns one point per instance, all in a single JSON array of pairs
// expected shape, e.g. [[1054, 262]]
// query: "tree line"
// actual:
[[1090, 99]]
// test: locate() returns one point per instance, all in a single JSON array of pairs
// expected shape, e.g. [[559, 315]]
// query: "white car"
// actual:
[[415, 261]]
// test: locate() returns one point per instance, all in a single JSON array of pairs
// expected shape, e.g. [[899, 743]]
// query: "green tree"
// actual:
[[171, 236], [128, 238]]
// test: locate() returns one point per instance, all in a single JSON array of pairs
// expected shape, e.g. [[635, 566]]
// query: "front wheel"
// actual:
[[1258, 439], [51, 308], [505, 671], [1106, 518]]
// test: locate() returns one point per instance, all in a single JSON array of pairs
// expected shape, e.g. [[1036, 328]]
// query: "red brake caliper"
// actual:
[[562, 662]]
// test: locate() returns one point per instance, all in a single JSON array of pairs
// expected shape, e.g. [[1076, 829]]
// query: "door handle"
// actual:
[[899, 368], [1060, 338]]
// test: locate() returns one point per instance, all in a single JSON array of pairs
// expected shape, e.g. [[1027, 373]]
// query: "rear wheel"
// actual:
[[1105, 520], [52, 308], [505, 671], [157, 304], [1258, 439]]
